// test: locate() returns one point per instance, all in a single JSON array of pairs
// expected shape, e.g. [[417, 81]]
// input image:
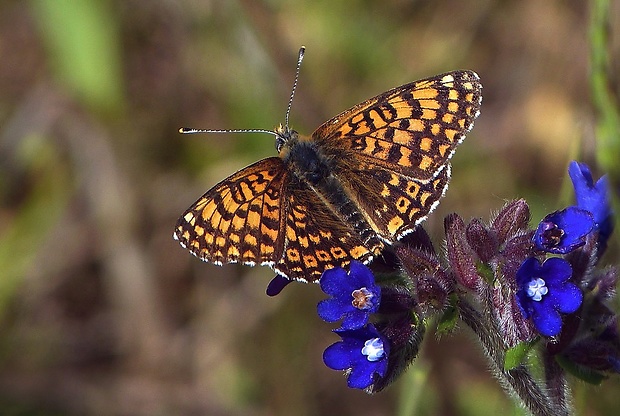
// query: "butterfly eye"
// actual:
[[285, 135], [279, 142]]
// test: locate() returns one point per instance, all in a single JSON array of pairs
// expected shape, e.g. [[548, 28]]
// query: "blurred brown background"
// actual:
[[102, 313]]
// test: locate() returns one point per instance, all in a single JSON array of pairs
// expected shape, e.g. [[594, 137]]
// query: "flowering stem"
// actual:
[[556, 383], [517, 381]]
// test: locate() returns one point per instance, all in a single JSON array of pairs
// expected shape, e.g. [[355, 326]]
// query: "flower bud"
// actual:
[[460, 255], [432, 285], [512, 219], [482, 240]]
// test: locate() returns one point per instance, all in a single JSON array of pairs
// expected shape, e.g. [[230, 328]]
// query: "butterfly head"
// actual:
[[285, 137]]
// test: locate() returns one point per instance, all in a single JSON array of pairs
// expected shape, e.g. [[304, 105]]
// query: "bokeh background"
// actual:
[[102, 313]]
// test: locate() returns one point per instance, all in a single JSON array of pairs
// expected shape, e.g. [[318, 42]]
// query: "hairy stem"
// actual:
[[517, 382]]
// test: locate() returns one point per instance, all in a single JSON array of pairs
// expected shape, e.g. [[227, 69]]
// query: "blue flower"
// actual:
[[363, 353], [592, 197], [354, 296], [563, 231], [545, 292]]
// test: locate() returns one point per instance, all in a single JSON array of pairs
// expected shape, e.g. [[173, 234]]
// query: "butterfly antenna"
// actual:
[[189, 130], [300, 58]]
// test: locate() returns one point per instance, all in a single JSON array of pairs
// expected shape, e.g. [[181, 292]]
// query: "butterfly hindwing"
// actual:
[[239, 219], [394, 204], [316, 239]]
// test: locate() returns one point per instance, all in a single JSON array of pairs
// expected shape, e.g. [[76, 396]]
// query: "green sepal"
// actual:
[[448, 320], [485, 271]]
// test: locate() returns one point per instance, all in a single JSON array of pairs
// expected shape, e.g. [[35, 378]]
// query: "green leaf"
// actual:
[[516, 355], [82, 41]]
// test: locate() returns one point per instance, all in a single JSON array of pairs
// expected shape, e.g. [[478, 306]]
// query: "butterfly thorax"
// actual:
[[308, 164]]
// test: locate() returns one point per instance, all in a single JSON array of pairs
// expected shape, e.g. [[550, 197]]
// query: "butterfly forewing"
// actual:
[[413, 129], [263, 215]]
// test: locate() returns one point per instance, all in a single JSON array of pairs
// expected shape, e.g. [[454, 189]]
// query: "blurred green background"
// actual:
[[102, 313]]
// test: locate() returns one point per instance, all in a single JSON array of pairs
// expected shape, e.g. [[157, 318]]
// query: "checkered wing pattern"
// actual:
[[388, 161], [412, 130], [396, 148], [264, 215]]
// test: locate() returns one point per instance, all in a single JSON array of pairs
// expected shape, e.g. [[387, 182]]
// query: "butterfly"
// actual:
[[360, 182]]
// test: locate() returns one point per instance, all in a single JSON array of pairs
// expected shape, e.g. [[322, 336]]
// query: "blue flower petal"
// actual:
[[354, 319], [338, 356], [529, 268], [567, 298], [556, 271], [547, 320], [362, 376], [563, 231], [590, 196], [524, 301], [329, 310], [354, 296], [560, 295], [594, 198], [347, 354], [362, 274], [334, 282]]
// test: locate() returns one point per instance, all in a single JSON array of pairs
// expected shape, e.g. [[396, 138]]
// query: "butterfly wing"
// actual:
[[391, 154], [239, 219], [316, 239], [264, 215], [395, 148], [392, 203], [413, 129]]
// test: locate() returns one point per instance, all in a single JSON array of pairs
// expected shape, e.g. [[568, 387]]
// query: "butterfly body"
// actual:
[[362, 180], [315, 170]]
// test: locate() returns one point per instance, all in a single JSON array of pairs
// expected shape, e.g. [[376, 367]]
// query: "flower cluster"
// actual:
[[546, 289], [513, 286], [365, 351]]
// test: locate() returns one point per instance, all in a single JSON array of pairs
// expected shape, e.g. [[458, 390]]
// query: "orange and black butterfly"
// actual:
[[361, 181]]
